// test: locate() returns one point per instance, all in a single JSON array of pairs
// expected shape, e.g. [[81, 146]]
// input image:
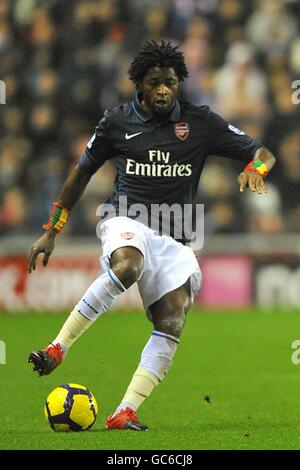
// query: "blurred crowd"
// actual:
[[65, 61]]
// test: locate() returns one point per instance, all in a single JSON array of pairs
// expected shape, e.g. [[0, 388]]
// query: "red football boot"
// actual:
[[125, 419], [46, 360]]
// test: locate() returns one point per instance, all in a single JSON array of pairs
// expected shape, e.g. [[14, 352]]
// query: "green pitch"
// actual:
[[232, 385]]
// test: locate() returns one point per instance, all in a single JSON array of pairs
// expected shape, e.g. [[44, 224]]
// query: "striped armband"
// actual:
[[257, 166], [58, 218]]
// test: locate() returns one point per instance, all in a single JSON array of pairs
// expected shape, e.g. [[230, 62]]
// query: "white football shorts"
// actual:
[[168, 264]]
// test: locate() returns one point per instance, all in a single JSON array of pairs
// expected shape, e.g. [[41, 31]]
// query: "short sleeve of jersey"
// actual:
[[99, 148], [229, 141]]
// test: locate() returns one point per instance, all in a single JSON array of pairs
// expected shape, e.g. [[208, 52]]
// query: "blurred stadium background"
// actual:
[[65, 61]]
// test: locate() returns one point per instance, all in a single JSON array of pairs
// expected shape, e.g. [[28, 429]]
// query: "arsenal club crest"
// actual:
[[182, 130], [127, 235]]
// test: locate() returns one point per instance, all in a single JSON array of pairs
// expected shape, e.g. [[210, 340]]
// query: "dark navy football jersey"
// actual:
[[160, 161]]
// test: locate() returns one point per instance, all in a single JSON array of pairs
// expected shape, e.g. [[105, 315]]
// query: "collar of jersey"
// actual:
[[145, 116]]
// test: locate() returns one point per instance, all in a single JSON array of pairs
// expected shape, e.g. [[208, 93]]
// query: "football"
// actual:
[[71, 407]]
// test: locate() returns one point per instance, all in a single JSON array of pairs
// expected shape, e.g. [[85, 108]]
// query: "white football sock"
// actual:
[[100, 296], [74, 326], [156, 360], [97, 299], [158, 353]]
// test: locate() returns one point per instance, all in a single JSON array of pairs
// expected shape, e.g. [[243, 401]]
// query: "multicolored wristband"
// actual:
[[257, 166], [58, 218]]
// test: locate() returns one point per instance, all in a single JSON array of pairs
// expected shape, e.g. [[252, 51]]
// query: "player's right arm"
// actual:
[[71, 192], [98, 150]]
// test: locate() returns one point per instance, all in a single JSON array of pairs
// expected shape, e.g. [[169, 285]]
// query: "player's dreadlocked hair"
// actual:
[[161, 55]]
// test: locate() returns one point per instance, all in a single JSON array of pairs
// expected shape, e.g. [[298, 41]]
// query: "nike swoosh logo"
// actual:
[[130, 136]]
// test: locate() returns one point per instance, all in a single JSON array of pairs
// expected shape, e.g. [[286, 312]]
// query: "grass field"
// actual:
[[241, 361]]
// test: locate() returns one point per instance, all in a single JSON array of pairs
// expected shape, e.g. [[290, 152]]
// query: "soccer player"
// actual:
[[159, 146]]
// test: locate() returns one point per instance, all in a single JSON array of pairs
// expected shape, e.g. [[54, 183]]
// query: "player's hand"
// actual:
[[252, 180], [45, 244]]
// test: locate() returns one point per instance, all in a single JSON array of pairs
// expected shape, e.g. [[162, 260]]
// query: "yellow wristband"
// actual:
[[58, 218], [257, 166]]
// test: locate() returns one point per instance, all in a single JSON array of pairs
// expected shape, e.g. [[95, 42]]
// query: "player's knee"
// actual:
[[127, 271], [174, 325], [172, 320], [127, 264]]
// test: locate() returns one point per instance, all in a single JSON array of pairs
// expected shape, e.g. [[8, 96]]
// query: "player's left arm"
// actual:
[[254, 173], [228, 141]]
